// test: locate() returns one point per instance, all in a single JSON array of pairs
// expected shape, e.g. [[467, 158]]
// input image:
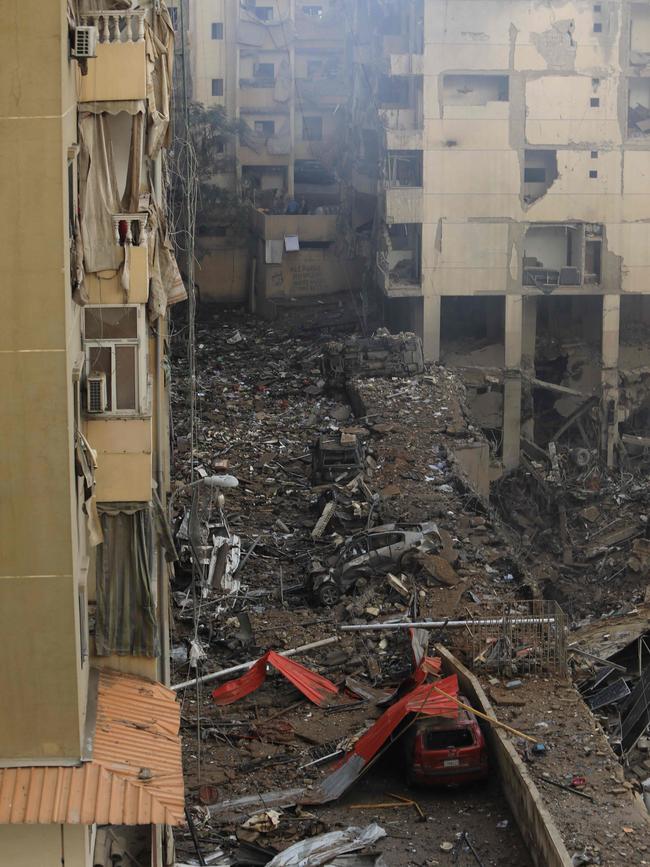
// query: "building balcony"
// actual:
[[407, 119], [399, 277], [403, 64], [258, 95], [395, 284], [318, 28], [124, 458], [119, 71], [405, 139], [365, 182], [321, 91], [404, 204], [308, 227]]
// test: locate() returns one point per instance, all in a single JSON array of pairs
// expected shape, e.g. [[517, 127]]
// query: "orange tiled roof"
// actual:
[[135, 776]]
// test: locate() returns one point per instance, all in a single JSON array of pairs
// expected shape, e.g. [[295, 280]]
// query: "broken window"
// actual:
[[114, 345], [394, 91], [404, 253], [265, 127], [639, 34], [312, 128], [553, 256], [540, 170], [452, 738], [593, 253], [404, 168], [638, 113], [475, 89], [264, 70], [264, 13], [126, 619]]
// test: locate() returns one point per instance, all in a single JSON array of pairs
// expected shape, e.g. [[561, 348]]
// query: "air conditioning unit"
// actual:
[[96, 395], [84, 42]]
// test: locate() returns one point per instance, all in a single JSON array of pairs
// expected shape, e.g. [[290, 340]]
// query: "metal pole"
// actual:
[[438, 624], [246, 665]]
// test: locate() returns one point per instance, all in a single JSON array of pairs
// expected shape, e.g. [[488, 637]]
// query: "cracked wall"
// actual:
[[569, 67]]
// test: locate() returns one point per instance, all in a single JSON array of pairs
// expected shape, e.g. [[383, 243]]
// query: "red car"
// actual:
[[446, 752]]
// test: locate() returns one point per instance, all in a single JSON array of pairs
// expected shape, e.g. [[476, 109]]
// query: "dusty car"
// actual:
[[372, 552], [446, 752]]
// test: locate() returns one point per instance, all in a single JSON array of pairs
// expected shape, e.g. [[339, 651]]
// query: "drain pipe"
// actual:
[[163, 579]]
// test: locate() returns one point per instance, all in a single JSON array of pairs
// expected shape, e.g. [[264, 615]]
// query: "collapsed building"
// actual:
[[90, 757]]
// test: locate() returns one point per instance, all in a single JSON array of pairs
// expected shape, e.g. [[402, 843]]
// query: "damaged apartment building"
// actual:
[[90, 756], [481, 167], [280, 70], [513, 203]]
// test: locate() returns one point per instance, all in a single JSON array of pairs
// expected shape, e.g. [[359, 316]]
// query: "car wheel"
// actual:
[[407, 561], [329, 594]]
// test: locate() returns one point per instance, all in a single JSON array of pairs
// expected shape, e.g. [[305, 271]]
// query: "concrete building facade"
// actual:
[[88, 276], [280, 70], [513, 191]]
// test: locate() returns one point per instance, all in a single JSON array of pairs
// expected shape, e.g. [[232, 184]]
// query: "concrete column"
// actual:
[[512, 382], [431, 305], [609, 376], [529, 331], [528, 337], [292, 100]]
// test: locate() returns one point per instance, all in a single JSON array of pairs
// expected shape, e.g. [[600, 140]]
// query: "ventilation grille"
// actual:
[[84, 42], [96, 392]]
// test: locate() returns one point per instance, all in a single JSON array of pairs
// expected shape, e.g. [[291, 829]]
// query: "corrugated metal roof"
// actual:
[[135, 776]]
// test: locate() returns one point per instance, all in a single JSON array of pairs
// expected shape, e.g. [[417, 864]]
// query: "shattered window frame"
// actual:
[[138, 343]]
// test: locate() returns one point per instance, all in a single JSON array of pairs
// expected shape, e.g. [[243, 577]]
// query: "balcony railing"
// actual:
[[130, 229], [116, 26]]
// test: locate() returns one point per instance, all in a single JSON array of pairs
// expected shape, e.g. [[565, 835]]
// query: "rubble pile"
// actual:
[[583, 531], [373, 488]]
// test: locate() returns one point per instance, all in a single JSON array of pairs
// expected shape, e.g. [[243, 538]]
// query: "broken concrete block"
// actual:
[[398, 585], [439, 568]]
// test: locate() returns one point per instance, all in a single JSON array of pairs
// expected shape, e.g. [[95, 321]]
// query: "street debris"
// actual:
[[326, 847], [361, 534], [315, 687]]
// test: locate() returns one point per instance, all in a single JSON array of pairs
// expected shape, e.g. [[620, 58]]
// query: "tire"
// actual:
[[407, 561], [329, 594]]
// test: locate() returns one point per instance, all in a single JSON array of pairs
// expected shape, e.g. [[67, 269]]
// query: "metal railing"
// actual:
[[523, 637]]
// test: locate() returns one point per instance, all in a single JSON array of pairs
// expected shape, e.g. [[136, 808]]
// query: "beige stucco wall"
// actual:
[[118, 72], [124, 458], [209, 56], [305, 273], [474, 216], [41, 683], [45, 846]]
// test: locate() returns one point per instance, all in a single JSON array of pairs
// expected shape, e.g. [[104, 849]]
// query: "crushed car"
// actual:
[[368, 553], [441, 751]]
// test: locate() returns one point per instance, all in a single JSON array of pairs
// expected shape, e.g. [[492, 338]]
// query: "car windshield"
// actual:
[[434, 739], [383, 540]]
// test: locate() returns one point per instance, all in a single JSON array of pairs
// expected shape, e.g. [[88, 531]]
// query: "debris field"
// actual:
[[362, 498]]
